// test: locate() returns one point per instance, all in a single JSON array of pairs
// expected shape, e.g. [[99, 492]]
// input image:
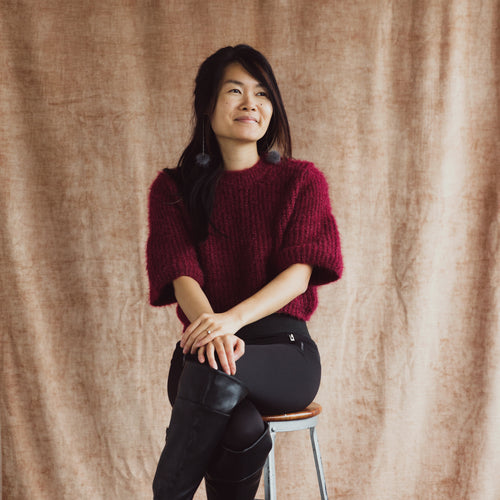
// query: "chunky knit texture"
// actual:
[[267, 218]]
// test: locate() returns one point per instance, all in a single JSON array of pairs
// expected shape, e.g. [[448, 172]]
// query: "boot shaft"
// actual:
[[205, 400]]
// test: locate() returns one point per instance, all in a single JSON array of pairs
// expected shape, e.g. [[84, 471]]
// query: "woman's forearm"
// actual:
[[191, 298], [288, 285]]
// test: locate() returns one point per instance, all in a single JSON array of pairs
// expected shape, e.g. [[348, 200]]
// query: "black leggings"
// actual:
[[281, 368]]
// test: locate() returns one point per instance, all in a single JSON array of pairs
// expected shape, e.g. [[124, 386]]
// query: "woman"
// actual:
[[240, 238]]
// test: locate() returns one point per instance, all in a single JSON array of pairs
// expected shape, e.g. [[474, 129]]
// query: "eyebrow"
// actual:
[[236, 82]]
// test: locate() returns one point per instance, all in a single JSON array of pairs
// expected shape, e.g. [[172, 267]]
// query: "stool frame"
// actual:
[[270, 468]]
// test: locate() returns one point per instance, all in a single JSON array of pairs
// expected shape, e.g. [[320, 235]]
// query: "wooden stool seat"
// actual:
[[311, 411], [296, 421]]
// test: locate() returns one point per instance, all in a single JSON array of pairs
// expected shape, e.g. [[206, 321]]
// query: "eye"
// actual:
[[234, 91], [262, 93]]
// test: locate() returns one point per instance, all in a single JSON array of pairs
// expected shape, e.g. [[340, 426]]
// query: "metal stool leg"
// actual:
[[270, 472], [319, 465]]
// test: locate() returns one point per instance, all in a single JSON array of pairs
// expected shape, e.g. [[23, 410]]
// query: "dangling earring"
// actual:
[[273, 157], [203, 159]]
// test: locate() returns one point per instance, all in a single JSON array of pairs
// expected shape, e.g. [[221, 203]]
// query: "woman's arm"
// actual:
[[289, 284]]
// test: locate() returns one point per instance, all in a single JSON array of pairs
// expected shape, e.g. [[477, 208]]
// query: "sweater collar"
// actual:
[[246, 176]]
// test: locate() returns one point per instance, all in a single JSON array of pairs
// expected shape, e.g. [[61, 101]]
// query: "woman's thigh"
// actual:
[[279, 377]]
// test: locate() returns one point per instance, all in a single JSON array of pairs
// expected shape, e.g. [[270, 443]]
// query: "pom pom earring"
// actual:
[[273, 157], [203, 159]]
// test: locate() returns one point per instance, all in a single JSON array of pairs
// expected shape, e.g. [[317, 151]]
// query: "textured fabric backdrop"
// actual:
[[398, 104]]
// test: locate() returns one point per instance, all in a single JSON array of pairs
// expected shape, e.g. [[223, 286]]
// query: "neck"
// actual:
[[240, 157]]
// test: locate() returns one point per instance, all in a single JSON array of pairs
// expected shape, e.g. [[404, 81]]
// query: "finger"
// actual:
[[229, 345], [239, 349], [189, 330], [208, 335], [210, 352], [199, 324], [223, 358], [201, 354], [199, 339], [189, 342]]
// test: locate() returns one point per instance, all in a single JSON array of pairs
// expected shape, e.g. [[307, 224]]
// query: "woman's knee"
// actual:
[[244, 428]]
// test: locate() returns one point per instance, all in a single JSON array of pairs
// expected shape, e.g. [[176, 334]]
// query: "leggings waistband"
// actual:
[[275, 328]]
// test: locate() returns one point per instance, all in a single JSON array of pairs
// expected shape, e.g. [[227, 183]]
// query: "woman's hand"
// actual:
[[229, 349], [207, 327]]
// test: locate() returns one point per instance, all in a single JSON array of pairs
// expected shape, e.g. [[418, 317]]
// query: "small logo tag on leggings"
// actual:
[[292, 338]]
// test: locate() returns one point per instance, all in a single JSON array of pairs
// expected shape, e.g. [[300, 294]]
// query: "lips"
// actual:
[[246, 119]]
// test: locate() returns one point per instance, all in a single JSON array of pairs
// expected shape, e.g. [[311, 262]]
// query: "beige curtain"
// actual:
[[397, 103]]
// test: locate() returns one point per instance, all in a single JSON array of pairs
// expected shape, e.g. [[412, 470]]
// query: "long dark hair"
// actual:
[[197, 183]]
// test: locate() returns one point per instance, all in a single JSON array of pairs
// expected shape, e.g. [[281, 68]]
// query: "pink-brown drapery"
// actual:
[[397, 102]]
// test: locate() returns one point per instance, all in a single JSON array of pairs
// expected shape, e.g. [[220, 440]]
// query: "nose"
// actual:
[[248, 102]]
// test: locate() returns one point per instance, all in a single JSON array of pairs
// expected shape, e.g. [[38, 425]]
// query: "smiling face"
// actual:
[[243, 109]]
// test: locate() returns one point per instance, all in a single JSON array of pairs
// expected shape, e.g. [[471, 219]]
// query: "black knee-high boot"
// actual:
[[235, 475], [205, 400]]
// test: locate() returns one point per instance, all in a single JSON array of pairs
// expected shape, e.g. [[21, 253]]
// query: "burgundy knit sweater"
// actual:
[[268, 217]]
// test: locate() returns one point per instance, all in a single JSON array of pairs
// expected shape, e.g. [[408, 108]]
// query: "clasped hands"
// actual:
[[214, 333]]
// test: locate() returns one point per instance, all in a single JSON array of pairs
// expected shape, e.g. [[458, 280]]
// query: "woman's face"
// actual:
[[243, 109]]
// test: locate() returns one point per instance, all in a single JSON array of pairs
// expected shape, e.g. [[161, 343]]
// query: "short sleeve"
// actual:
[[311, 235], [170, 250]]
